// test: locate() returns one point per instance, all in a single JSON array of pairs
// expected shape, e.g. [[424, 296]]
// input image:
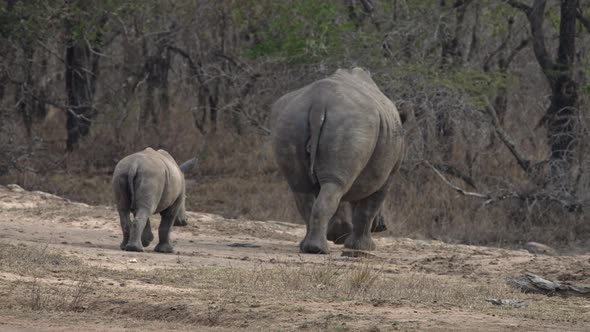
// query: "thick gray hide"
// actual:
[[337, 140], [145, 183]]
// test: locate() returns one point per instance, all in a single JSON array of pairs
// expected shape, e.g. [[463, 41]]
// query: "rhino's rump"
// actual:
[[353, 143], [150, 181]]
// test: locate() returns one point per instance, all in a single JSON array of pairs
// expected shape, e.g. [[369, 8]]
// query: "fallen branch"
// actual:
[[532, 283], [457, 189], [490, 198]]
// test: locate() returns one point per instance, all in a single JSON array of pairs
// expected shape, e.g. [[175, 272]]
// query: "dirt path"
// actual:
[[61, 270]]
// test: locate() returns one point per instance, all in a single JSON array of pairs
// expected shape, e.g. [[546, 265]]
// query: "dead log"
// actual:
[[532, 283]]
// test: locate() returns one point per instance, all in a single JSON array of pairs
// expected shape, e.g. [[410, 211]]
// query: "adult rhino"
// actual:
[[337, 140], [145, 183]]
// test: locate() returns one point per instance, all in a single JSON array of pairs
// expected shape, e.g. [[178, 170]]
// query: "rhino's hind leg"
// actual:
[[168, 217], [137, 227], [304, 202], [147, 236], [364, 212], [124, 220], [340, 225], [324, 207]]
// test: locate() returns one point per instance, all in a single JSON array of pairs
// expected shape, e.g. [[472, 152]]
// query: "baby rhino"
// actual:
[[145, 183]]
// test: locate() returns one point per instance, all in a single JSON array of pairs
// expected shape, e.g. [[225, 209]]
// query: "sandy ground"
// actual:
[[421, 285]]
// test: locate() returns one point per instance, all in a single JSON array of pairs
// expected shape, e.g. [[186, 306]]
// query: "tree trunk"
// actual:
[[474, 45], [561, 115], [81, 73], [450, 34], [157, 68], [24, 96], [560, 119], [213, 104], [451, 57]]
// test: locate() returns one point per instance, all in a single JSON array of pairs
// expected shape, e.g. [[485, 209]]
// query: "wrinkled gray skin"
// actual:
[[337, 140], [145, 183]]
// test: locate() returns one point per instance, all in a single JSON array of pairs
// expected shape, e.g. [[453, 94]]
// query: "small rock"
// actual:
[[15, 187], [508, 303], [133, 260], [540, 249]]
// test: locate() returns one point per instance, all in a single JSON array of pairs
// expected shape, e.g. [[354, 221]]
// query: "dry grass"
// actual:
[[330, 293], [46, 280], [39, 283]]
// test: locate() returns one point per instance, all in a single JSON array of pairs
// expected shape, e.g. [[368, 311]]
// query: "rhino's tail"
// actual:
[[316, 118], [131, 185]]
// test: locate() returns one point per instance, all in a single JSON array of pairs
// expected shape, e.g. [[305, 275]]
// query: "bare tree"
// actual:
[[560, 118]]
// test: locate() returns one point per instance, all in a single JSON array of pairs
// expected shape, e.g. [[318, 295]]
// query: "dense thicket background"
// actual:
[[495, 92]]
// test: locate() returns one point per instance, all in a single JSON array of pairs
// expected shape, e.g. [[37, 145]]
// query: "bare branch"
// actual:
[[368, 5], [457, 189], [234, 108], [516, 50], [583, 19], [522, 162], [62, 107], [450, 170], [535, 15], [501, 47], [194, 69], [519, 5]]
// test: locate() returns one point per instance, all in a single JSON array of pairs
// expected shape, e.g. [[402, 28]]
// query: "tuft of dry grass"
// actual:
[[34, 265]]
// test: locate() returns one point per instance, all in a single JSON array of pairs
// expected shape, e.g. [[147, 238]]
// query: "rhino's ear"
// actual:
[[189, 165]]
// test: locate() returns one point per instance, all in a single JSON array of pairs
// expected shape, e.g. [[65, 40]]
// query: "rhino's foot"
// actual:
[[338, 238], [165, 248], [146, 239], [314, 247], [378, 225], [132, 247], [379, 228], [360, 243], [338, 232], [123, 245], [180, 222]]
